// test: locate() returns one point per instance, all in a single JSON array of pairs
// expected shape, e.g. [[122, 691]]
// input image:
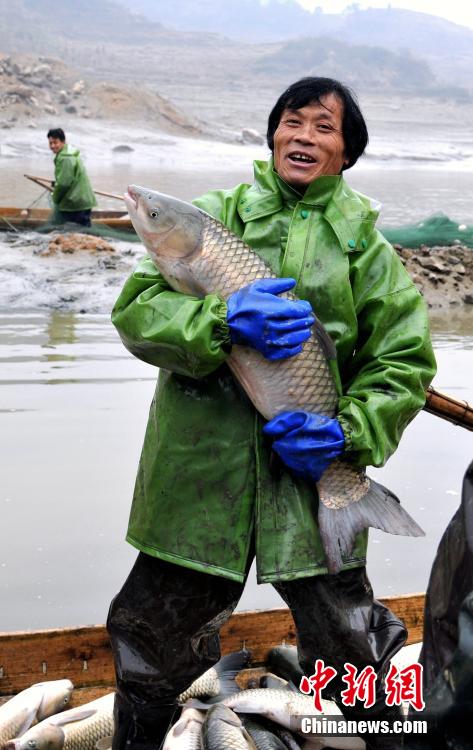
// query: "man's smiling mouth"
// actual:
[[301, 158]]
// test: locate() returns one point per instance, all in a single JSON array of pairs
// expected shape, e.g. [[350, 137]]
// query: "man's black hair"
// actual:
[[312, 89], [57, 133]]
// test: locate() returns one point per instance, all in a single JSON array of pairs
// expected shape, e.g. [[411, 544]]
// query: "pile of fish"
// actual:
[[257, 718]]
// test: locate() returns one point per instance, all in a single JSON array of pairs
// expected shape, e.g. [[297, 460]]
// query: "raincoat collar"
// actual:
[[348, 212]]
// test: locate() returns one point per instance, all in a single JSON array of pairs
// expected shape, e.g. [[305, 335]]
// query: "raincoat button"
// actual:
[[247, 209], [243, 201], [364, 244], [351, 243], [304, 213]]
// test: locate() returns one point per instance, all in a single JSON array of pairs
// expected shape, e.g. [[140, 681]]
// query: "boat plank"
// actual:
[[83, 654]]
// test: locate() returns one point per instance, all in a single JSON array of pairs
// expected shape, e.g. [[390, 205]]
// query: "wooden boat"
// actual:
[[32, 218], [83, 655]]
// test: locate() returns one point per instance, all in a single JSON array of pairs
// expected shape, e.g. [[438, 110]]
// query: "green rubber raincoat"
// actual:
[[72, 189], [204, 492]]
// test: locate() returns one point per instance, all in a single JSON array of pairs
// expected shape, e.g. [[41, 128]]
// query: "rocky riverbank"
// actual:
[[34, 89], [444, 275]]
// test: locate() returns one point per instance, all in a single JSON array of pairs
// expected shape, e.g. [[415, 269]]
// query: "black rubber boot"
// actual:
[[164, 632], [139, 732]]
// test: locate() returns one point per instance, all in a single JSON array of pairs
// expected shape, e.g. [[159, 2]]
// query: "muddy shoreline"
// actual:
[[82, 273]]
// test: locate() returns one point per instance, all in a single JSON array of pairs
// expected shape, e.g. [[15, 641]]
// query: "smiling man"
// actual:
[[216, 487]]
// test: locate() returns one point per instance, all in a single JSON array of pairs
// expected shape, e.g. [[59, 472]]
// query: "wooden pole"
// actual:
[[46, 183], [446, 407]]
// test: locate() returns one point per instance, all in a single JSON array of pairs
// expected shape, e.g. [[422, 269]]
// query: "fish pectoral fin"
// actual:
[[74, 714], [180, 726]]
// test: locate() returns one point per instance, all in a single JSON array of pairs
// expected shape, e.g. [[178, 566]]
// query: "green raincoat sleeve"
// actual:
[[393, 363], [168, 329]]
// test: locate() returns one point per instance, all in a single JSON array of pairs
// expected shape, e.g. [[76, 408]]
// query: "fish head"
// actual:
[[168, 227], [43, 736], [56, 696]]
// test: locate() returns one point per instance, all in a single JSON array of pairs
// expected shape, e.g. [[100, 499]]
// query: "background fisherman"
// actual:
[[216, 487], [73, 196]]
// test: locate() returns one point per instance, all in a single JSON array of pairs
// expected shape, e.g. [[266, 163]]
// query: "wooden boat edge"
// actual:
[[83, 653], [11, 216]]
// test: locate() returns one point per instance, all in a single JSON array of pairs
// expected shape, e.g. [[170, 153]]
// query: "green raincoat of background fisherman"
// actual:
[[73, 197], [209, 495]]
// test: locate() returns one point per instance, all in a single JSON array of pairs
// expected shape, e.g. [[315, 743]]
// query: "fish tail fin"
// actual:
[[227, 669], [379, 508]]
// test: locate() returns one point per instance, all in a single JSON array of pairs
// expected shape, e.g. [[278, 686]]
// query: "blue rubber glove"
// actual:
[[307, 443], [275, 326]]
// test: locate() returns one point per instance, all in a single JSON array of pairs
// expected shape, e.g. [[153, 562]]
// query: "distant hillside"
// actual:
[[27, 24], [250, 20], [447, 46], [365, 67]]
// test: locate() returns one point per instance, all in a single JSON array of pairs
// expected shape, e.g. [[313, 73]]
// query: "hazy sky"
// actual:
[[458, 11]]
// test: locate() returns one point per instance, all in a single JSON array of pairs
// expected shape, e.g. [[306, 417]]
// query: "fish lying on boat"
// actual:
[[77, 729], [280, 705], [198, 255], [186, 733], [220, 679], [33, 704], [223, 730]]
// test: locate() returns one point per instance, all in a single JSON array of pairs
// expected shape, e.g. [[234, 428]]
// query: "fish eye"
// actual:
[[154, 214]]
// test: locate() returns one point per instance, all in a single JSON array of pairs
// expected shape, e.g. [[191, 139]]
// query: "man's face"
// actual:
[[55, 144], [308, 142]]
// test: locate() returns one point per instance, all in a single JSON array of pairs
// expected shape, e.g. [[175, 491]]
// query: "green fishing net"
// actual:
[[56, 224], [436, 230]]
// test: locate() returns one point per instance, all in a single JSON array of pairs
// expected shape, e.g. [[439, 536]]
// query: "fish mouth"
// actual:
[[131, 197]]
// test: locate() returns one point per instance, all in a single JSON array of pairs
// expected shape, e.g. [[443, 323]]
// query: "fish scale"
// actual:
[[84, 734], [197, 254], [227, 264]]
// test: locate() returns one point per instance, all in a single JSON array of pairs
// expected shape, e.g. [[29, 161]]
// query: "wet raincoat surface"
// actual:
[[205, 492], [72, 189]]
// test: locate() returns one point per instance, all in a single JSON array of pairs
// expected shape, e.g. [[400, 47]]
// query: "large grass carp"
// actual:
[[198, 255]]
